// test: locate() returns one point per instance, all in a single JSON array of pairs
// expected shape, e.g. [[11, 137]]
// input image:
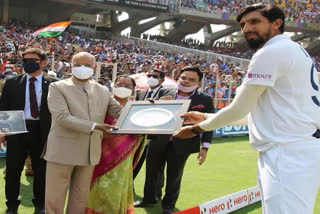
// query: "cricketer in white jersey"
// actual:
[[280, 95]]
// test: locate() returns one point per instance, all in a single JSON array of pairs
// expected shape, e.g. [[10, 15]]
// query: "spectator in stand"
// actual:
[[130, 58]]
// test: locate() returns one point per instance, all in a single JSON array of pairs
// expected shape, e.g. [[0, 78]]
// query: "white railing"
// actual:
[[209, 56]]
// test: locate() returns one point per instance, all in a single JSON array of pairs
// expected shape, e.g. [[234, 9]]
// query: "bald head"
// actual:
[[83, 58]]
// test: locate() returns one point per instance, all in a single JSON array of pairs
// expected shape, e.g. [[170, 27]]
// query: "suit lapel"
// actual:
[[143, 94], [194, 99], [155, 95], [45, 86], [91, 97], [22, 90]]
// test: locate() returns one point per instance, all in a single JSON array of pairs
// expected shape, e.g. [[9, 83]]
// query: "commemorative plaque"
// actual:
[[12, 122], [158, 117]]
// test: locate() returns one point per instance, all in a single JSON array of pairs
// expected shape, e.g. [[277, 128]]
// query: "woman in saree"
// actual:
[[111, 190]]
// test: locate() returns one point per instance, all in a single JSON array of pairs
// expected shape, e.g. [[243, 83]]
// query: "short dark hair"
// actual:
[[37, 51], [159, 71], [194, 69], [271, 12], [126, 76]]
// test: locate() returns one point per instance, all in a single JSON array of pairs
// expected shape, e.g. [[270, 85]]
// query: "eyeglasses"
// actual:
[[153, 75], [189, 79], [30, 60]]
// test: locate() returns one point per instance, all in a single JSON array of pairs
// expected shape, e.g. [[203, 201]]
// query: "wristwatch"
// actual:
[[193, 130]]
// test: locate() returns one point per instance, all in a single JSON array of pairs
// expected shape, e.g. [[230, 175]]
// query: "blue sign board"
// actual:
[[231, 130]]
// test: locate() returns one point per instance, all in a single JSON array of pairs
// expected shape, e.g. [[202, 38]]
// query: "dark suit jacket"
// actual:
[[142, 94], [199, 102], [13, 98]]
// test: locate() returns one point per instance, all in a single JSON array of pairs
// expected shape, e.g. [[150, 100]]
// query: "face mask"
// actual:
[[152, 82], [122, 92], [31, 67], [82, 72], [186, 89]]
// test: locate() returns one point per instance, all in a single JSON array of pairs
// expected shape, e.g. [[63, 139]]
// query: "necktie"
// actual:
[[33, 98], [149, 94]]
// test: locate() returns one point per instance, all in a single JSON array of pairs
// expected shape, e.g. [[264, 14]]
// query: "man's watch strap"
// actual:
[[195, 131]]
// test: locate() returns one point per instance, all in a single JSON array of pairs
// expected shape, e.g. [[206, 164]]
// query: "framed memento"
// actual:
[[12, 122], [157, 117]]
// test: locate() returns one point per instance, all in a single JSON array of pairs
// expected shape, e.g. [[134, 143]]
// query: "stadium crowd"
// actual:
[[295, 10], [224, 48], [130, 58]]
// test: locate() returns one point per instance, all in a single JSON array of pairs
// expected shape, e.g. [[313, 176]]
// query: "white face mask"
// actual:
[[152, 82], [122, 92], [82, 72]]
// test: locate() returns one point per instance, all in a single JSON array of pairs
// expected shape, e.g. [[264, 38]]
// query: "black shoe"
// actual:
[[39, 210], [11, 211], [167, 210], [142, 203]]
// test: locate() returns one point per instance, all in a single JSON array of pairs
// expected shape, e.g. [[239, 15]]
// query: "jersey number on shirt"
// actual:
[[315, 86]]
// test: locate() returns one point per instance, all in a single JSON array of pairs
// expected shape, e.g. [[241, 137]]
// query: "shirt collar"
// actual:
[[187, 97], [79, 83], [154, 90], [39, 77], [276, 39]]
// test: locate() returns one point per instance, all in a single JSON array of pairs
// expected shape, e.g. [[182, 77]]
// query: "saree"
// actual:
[[111, 190]]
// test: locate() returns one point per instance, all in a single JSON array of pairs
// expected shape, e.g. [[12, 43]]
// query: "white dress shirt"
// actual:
[[154, 91]]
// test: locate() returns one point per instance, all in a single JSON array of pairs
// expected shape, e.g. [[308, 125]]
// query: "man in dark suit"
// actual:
[[155, 79], [163, 149], [27, 93]]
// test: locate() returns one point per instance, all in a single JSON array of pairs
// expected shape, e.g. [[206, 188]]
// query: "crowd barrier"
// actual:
[[228, 203]]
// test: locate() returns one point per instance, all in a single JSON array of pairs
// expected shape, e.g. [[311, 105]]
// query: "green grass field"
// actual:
[[230, 167]]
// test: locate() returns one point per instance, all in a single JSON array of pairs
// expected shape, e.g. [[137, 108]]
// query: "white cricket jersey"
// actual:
[[289, 110]]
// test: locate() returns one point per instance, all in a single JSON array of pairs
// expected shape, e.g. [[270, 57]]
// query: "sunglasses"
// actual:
[[153, 75], [30, 60]]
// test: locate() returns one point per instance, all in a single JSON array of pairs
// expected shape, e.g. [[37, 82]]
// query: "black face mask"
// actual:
[[30, 67]]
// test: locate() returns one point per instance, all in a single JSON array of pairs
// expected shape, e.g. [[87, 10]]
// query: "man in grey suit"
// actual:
[[78, 106]]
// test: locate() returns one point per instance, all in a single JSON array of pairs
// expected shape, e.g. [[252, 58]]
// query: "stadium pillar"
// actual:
[[132, 22], [207, 32], [5, 11], [220, 34], [183, 29]]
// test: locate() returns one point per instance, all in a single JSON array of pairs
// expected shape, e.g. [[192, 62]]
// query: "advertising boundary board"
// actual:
[[228, 203], [230, 130]]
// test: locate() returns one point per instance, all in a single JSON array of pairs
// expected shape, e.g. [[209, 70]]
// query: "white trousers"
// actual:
[[289, 178]]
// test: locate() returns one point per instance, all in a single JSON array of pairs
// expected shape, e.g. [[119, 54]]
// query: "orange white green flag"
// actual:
[[52, 30]]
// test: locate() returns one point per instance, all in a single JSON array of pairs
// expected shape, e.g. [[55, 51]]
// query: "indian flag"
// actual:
[[52, 30]]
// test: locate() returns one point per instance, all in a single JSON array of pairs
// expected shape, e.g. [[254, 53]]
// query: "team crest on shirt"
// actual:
[[259, 76]]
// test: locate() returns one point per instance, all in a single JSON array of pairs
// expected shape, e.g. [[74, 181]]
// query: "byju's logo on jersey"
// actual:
[[259, 76]]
